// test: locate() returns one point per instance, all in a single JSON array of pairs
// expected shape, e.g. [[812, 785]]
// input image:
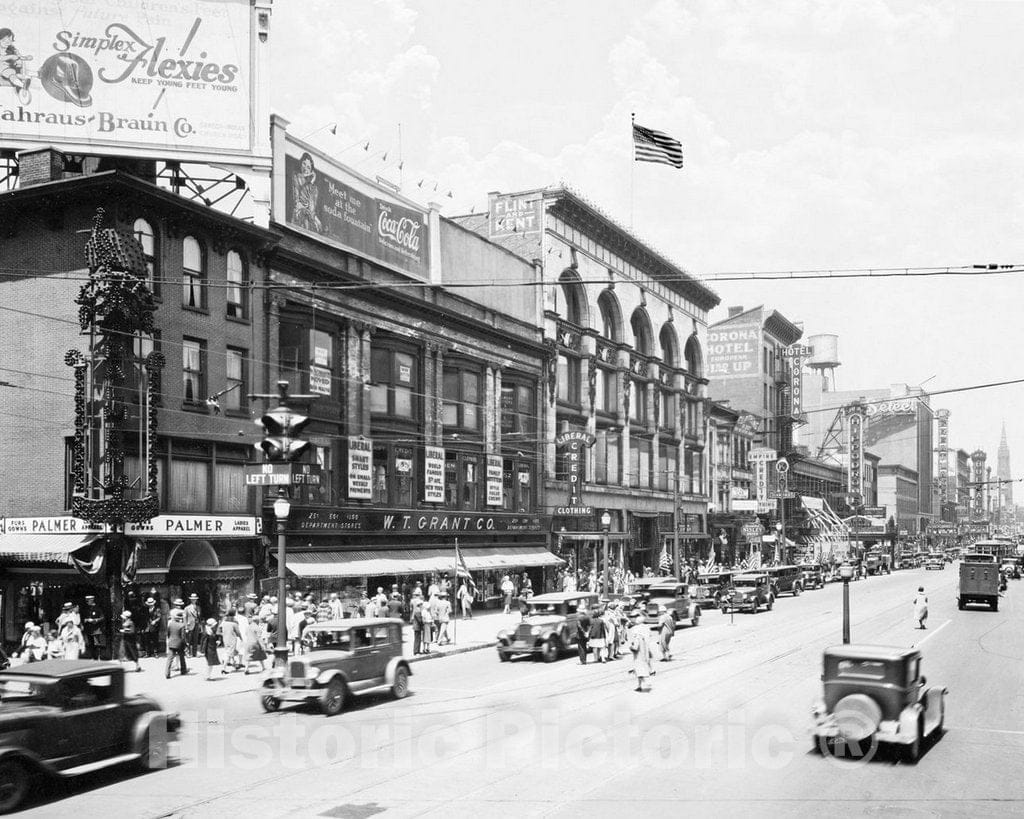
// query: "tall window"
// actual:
[[394, 376], [461, 480], [237, 381], [606, 457], [189, 486], [236, 292], [640, 462], [193, 370], [461, 398], [568, 379], [193, 274], [638, 409], [143, 232], [321, 362], [518, 409]]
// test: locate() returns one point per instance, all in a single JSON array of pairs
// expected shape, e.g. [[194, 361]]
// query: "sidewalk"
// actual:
[[478, 633]]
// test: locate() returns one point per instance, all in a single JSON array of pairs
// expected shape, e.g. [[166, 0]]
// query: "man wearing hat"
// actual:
[[442, 611], [150, 627], [193, 624], [129, 645], [176, 641], [94, 628], [249, 609]]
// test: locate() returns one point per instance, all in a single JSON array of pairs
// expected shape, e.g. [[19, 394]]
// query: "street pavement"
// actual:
[[725, 729]]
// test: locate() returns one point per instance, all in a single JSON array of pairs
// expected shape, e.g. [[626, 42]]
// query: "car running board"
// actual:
[[103, 763]]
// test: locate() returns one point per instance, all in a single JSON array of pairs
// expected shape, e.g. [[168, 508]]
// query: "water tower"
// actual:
[[824, 359]]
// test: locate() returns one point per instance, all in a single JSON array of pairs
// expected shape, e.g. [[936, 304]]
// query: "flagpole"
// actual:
[[454, 616], [632, 166]]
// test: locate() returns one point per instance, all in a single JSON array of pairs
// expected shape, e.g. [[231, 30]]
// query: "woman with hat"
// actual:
[[208, 645], [69, 632], [129, 642], [253, 649], [33, 644], [640, 646]]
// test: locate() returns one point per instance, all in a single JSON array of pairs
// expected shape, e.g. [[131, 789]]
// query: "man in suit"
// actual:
[[176, 638], [193, 624], [93, 627], [582, 632]]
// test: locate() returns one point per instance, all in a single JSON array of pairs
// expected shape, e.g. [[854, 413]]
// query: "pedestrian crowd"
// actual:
[[611, 629]]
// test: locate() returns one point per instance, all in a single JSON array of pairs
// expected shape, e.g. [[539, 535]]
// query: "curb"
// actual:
[[460, 650]]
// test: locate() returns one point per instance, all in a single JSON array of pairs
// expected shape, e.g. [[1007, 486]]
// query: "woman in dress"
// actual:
[[254, 651], [640, 646], [597, 637], [70, 632], [208, 645], [232, 638], [920, 607], [129, 650]]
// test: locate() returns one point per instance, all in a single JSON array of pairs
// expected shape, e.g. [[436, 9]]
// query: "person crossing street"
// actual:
[[176, 642]]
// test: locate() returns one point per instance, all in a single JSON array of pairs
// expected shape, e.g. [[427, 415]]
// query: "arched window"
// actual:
[[694, 357], [611, 321], [237, 306], [670, 358], [574, 297], [641, 326], [193, 274], [143, 232]]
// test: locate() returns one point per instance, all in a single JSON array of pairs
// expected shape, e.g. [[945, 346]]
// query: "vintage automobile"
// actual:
[[1011, 569], [785, 580], [671, 595], [750, 592], [69, 717], [934, 562], [549, 627], [876, 694], [343, 657], [711, 587], [813, 575]]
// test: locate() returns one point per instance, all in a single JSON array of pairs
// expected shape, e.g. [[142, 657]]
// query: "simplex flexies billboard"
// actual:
[[327, 200], [159, 79]]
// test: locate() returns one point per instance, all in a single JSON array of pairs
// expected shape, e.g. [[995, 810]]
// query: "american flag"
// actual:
[[655, 146], [461, 569], [664, 562]]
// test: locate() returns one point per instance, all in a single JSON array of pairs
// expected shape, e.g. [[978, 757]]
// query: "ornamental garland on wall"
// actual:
[[115, 308]]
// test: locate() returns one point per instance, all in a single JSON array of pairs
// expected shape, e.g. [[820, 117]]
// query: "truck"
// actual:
[[979, 581]]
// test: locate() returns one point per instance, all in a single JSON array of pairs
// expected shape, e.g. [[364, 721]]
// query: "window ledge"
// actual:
[[203, 310], [195, 406], [238, 319]]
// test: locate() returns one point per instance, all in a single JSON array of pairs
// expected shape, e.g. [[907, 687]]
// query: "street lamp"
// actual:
[[282, 507], [606, 522], [780, 542], [846, 573]]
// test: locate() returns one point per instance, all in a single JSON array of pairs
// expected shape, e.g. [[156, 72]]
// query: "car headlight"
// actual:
[[312, 673], [503, 635], [535, 630], [662, 609]]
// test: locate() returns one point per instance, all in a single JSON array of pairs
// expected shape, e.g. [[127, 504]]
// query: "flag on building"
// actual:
[[664, 562], [654, 146]]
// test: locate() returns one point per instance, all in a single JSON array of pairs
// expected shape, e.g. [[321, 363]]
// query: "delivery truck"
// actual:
[[979, 581]]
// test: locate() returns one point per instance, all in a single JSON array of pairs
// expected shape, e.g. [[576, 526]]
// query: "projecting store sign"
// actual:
[[573, 444]]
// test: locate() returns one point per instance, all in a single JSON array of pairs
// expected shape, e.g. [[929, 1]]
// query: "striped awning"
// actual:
[[38, 548], [415, 561]]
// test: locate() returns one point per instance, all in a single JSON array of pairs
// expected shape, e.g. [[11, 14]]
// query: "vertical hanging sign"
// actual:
[[494, 475], [943, 417], [433, 474], [572, 444], [796, 354], [856, 421], [360, 468]]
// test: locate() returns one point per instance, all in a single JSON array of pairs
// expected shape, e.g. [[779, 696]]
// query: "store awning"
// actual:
[[36, 548], [414, 561]]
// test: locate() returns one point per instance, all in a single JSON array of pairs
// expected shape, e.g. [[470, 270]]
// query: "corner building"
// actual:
[[624, 333]]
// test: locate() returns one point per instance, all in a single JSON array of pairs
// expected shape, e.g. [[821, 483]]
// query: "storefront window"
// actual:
[[462, 480], [462, 397], [518, 410], [394, 376], [230, 493], [517, 486]]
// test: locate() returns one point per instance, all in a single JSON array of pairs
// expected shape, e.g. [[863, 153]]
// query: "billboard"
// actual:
[[734, 350], [328, 201], [148, 79], [512, 215]]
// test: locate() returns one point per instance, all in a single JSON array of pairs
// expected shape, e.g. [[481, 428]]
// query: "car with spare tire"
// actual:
[[549, 627]]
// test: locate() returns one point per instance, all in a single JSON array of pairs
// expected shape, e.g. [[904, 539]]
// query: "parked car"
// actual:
[[813, 575], [877, 694], [549, 627], [69, 717], [1011, 569], [935, 562], [786, 580], [750, 592], [670, 595], [345, 657]]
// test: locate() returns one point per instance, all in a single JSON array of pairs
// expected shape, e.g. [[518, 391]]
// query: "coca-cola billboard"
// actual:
[[323, 198]]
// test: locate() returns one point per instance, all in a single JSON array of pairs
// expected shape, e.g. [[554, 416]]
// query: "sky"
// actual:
[[818, 136]]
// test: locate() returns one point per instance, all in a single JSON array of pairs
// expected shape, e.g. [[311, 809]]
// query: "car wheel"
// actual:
[[960, 603], [400, 688], [912, 751], [995, 605], [503, 656], [695, 621], [797, 590], [269, 702], [333, 699], [15, 781], [549, 651], [754, 607], [154, 753]]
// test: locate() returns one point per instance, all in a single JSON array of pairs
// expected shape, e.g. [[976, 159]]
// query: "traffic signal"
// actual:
[[282, 426]]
